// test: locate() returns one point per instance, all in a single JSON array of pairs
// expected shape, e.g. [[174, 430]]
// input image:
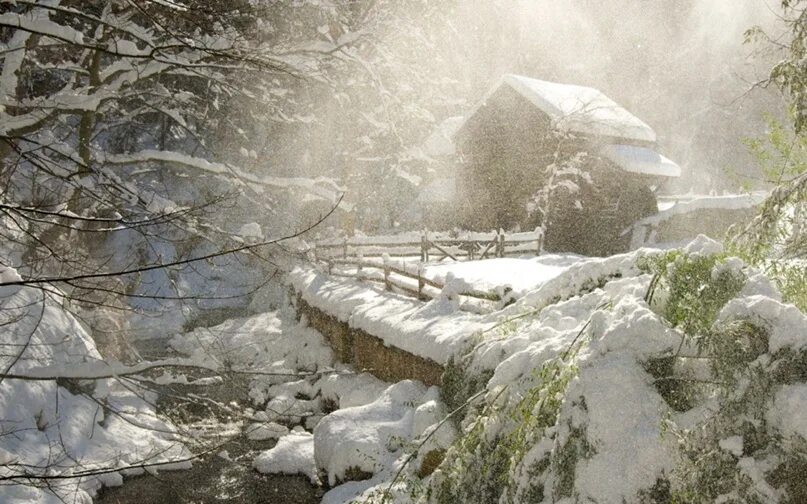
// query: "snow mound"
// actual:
[[293, 454], [347, 389], [786, 325], [787, 414], [522, 275], [366, 438], [265, 342], [434, 330]]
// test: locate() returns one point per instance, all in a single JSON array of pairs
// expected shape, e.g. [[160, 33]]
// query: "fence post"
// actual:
[[330, 266], [424, 247], [500, 246], [421, 283], [540, 241], [385, 260], [344, 249]]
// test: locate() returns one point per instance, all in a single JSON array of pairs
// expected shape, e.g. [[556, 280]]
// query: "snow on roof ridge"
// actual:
[[567, 105]]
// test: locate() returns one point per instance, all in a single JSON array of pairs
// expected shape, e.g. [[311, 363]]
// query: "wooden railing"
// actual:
[[410, 280], [373, 259], [431, 245]]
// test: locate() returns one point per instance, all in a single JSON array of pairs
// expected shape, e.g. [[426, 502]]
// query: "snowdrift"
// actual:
[[61, 440]]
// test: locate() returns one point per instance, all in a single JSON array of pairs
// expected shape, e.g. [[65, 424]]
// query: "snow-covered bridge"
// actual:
[[397, 336]]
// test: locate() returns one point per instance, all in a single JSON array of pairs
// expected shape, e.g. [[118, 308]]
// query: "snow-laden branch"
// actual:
[[322, 187], [100, 370], [152, 267]]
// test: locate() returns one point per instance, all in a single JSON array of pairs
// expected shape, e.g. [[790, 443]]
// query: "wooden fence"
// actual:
[[371, 259], [430, 246]]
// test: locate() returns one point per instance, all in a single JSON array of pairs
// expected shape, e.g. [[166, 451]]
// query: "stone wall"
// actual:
[[367, 352]]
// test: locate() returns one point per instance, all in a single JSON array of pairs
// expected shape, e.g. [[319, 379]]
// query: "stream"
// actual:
[[213, 478]]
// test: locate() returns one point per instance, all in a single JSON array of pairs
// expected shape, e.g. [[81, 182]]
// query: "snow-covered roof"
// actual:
[[577, 109], [641, 160]]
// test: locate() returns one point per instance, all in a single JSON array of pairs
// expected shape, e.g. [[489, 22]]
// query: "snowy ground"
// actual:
[[520, 274]]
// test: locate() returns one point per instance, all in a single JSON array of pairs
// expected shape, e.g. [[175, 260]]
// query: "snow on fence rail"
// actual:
[[403, 277], [358, 257]]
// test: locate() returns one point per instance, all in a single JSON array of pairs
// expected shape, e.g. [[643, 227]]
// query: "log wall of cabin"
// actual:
[[505, 149]]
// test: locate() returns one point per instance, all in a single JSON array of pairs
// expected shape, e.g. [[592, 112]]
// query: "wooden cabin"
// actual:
[[563, 156]]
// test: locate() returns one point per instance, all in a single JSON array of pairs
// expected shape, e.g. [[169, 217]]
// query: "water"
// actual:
[[212, 479], [215, 480]]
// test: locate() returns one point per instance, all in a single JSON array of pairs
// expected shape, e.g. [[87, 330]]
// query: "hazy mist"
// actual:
[[681, 66]]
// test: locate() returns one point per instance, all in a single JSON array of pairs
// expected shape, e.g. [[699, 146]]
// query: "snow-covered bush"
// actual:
[[499, 447]]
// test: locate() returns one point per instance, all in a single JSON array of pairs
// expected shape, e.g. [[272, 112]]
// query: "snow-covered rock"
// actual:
[[367, 438], [293, 454]]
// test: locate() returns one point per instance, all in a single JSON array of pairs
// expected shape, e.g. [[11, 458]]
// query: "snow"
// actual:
[[437, 330], [789, 406], [293, 454], [624, 423], [9, 275], [377, 424], [577, 109], [704, 246], [50, 423], [374, 421], [368, 437], [521, 275], [434, 330], [264, 342], [641, 160], [251, 230], [350, 389], [578, 277], [786, 324], [564, 300], [733, 445], [597, 302]]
